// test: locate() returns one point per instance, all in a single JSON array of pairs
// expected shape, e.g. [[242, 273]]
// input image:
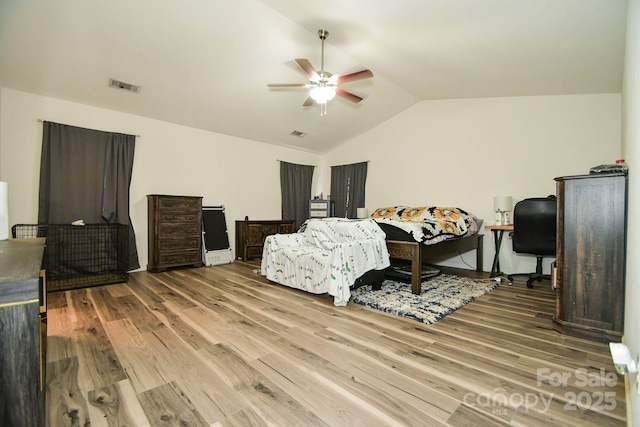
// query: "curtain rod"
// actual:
[[41, 121], [349, 164], [278, 160]]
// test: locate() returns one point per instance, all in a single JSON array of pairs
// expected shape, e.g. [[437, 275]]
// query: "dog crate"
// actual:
[[28, 231], [80, 256]]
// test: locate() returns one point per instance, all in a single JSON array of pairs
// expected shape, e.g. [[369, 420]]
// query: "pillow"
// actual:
[[388, 212], [412, 213]]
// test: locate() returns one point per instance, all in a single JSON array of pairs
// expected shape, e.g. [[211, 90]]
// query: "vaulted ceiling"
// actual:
[[207, 63]]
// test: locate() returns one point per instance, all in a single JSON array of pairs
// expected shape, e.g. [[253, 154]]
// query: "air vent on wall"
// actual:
[[124, 86], [298, 134]]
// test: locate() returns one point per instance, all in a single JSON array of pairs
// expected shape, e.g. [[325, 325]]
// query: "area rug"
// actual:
[[441, 295]]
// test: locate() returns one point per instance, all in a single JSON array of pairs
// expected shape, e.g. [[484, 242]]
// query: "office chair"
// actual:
[[534, 232]]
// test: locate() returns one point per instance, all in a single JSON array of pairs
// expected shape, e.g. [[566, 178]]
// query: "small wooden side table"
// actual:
[[498, 232]]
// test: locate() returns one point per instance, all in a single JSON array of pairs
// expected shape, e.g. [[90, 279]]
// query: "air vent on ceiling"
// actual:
[[298, 134], [124, 86]]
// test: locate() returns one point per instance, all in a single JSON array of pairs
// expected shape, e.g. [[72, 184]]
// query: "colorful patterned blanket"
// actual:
[[428, 225]]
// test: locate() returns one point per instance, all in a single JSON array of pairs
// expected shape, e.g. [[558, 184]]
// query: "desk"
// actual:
[[498, 232]]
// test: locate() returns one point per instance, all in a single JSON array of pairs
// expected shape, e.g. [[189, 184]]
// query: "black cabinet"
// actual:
[[591, 247]]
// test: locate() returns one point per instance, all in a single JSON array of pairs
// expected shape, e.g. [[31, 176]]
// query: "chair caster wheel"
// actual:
[[510, 278], [529, 284]]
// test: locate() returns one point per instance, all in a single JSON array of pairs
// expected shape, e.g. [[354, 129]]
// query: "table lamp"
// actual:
[[502, 206]]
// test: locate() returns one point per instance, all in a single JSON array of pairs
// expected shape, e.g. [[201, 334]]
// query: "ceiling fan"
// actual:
[[323, 85]]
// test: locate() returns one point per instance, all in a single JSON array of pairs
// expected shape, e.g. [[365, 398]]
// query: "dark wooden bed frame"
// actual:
[[419, 253]]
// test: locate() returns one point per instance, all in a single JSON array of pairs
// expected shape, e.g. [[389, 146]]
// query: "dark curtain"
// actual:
[[295, 184], [85, 174], [348, 188]]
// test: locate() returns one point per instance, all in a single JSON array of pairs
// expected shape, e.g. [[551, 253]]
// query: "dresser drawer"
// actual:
[[254, 251], [169, 259], [178, 217], [179, 243], [166, 204], [286, 228], [269, 229], [172, 230]]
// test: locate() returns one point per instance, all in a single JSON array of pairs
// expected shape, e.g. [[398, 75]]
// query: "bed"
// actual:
[[327, 255], [418, 234]]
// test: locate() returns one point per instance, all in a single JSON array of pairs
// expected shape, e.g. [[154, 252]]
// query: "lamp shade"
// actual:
[[322, 93], [502, 203], [362, 213]]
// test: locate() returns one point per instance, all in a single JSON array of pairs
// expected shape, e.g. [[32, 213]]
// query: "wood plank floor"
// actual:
[[222, 346]]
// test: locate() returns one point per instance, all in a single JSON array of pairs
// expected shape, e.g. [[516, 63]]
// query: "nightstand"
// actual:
[[498, 232], [320, 208]]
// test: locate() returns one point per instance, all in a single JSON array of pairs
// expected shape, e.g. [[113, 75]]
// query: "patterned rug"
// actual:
[[441, 295]]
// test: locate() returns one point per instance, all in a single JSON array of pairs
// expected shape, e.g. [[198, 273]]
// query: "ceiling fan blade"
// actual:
[[307, 67], [348, 95], [308, 102], [287, 84], [358, 75]]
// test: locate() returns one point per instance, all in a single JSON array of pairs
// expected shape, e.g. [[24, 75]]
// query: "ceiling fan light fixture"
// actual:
[[324, 86], [321, 94]]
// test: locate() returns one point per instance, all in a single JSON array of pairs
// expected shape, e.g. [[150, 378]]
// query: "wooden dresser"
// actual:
[[591, 250], [22, 333], [250, 235], [175, 232]]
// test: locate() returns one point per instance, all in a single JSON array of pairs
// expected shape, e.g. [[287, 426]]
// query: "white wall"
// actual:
[[631, 143], [448, 152], [464, 152], [241, 174]]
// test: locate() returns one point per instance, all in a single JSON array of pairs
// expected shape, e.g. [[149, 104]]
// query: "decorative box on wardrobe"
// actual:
[[591, 251]]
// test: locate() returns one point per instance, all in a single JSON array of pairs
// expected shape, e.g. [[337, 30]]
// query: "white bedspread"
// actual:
[[327, 257]]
